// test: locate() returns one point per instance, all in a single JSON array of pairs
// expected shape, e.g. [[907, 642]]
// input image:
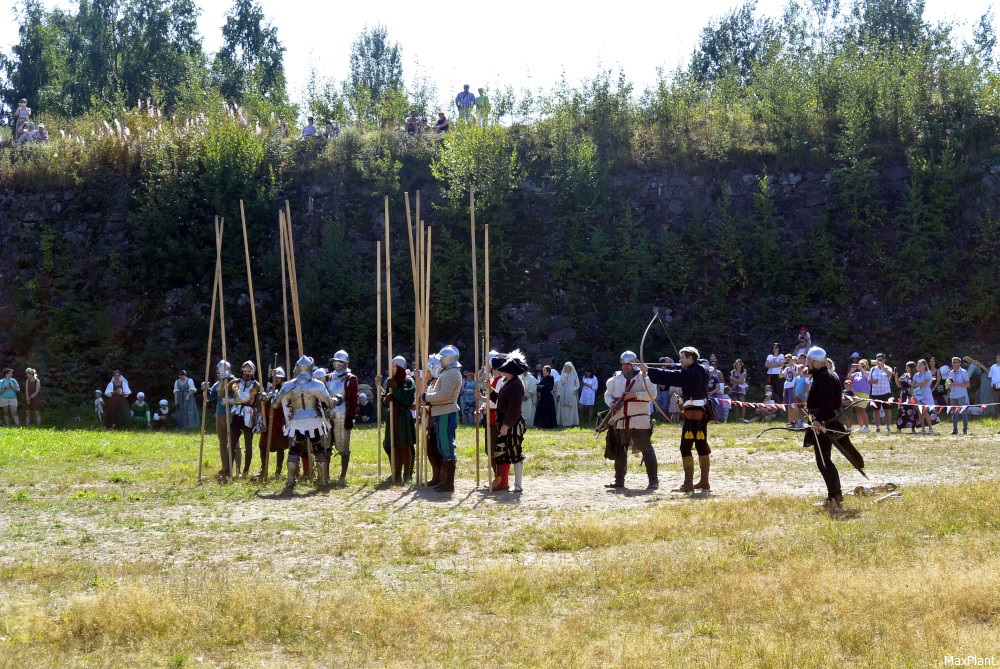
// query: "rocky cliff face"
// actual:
[[81, 296]]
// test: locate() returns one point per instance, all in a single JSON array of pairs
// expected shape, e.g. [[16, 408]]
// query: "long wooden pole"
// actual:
[[423, 354], [294, 274], [284, 291], [378, 351], [208, 352], [475, 316], [388, 332], [417, 319], [253, 319], [225, 387], [486, 313], [427, 328]]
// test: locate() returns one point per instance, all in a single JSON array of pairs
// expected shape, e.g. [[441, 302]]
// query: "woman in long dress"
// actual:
[[397, 398], [530, 398], [545, 414], [185, 404], [567, 391], [588, 395], [117, 413]]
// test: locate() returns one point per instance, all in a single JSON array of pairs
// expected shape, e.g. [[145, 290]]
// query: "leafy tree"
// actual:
[[376, 72], [482, 157], [734, 46], [251, 60]]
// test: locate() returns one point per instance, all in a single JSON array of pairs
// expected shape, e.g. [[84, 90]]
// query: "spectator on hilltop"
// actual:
[[464, 101], [41, 134], [482, 108], [330, 130], [22, 114], [309, 130], [412, 123], [27, 135], [442, 124]]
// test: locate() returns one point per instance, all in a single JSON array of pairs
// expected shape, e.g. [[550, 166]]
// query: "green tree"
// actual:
[[734, 47], [482, 157], [376, 72], [250, 63]]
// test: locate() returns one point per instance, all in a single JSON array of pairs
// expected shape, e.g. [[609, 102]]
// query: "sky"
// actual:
[[518, 43]]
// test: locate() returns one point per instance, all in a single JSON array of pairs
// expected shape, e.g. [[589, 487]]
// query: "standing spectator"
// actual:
[[467, 398], [881, 392], [310, 129], [32, 397], [908, 413], [958, 395], [922, 393], [738, 387], [545, 415], [805, 341], [937, 385], [801, 391], [567, 397], [979, 392], [862, 391], [530, 397], [99, 406], [9, 389], [185, 405], [482, 108], [588, 395], [118, 415], [773, 365], [788, 389], [995, 385], [23, 113], [845, 401], [464, 101], [140, 412]]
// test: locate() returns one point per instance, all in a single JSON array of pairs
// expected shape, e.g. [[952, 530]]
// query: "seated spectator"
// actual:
[[309, 130], [366, 411], [42, 135], [330, 130], [27, 135], [161, 417], [769, 409], [412, 123], [441, 125]]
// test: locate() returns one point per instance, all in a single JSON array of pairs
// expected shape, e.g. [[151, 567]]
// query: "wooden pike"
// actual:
[[211, 332], [486, 314], [227, 394], [388, 331], [378, 351], [475, 311], [253, 318]]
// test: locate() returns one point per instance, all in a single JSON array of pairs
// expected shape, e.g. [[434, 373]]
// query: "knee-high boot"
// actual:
[[345, 459], [703, 464], [649, 459], [621, 467], [448, 482], [688, 486], [437, 462]]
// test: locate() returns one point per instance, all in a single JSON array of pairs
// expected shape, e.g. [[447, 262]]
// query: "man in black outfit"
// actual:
[[692, 378], [823, 402]]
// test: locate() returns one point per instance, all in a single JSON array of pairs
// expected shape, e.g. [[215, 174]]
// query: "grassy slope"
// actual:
[[111, 555]]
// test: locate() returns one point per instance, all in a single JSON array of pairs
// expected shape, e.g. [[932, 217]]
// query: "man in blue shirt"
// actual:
[[958, 394], [465, 101]]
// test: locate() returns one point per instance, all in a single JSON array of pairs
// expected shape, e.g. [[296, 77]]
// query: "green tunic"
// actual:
[[139, 410], [400, 402]]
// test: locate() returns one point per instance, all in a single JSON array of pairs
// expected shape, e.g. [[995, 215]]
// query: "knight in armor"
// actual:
[[692, 378], [442, 399], [243, 414], [400, 433], [631, 429], [340, 381], [510, 433], [221, 392], [304, 402]]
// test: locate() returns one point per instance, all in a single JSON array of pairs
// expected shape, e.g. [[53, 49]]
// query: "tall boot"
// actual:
[[280, 458], [504, 476], [397, 471], [518, 476], [408, 466], [237, 458], [649, 459], [293, 472], [621, 467], [437, 462], [448, 482], [688, 486], [248, 449], [345, 459], [703, 464]]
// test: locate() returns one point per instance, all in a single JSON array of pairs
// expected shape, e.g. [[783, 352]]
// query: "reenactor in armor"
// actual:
[[340, 381], [305, 402]]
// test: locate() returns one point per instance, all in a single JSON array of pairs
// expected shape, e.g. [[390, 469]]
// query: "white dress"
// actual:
[[588, 391], [566, 388], [530, 399]]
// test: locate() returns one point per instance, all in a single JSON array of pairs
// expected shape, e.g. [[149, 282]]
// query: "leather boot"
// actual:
[[649, 459], [345, 459], [408, 467], [703, 464], [621, 467], [688, 485], [436, 479], [437, 462], [448, 484]]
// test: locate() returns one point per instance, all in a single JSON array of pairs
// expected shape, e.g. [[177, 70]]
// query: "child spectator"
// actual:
[[801, 391], [32, 397], [768, 410], [99, 406], [140, 412]]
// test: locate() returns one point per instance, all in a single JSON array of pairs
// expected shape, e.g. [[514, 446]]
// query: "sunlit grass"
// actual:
[[112, 555]]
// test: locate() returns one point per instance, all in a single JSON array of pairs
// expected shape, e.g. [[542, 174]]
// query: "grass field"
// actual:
[[113, 555]]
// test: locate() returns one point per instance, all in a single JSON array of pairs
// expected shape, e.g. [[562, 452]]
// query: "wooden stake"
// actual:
[[378, 351], [208, 352], [284, 290], [388, 331], [221, 386], [417, 355], [486, 313], [294, 274], [426, 333], [475, 316], [253, 315]]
